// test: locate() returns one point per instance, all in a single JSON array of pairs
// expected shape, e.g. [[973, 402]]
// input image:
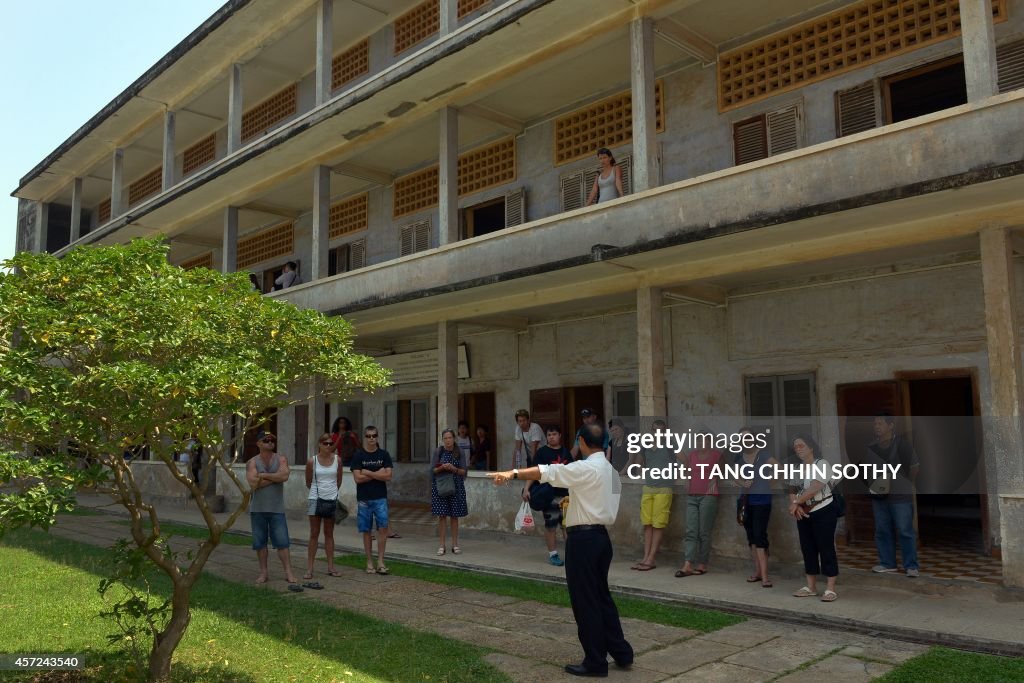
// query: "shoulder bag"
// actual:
[[325, 507], [445, 483]]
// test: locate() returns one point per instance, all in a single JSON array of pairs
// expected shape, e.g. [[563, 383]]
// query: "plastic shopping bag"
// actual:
[[524, 520]]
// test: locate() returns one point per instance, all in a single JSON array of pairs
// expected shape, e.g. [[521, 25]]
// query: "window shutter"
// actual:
[[572, 191], [784, 130], [357, 254], [515, 207], [856, 109], [626, 164], [1010, 63], [408, 240], [589, 176], [750, 140], [423, 235]]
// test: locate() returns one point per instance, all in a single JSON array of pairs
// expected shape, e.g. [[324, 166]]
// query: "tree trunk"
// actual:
[[166, 642]]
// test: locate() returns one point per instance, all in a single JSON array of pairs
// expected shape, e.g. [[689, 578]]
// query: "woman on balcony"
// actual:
[[608, 183]]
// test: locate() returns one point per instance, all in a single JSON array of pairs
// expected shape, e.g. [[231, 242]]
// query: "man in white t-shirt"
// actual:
[[528, 433]]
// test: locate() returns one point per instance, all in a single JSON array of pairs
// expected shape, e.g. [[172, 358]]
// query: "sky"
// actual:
[[62, 62]]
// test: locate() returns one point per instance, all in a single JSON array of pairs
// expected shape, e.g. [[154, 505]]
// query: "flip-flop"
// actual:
[[315, 585], [680, 573], [753, 579], [394, 535], [383, 570], [698, 572], [767, 584], [805, 592], [294, 588], [829, 596], [371, 570], [646, 567], [334, 572]]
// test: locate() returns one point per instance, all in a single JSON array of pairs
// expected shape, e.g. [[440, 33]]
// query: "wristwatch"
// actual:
[[515, 474]]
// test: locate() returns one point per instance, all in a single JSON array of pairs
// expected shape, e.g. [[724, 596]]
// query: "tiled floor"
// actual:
[[953, 554]]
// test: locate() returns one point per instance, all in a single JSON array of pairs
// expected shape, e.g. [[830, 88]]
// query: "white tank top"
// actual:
[[606, 187], [325, 480]]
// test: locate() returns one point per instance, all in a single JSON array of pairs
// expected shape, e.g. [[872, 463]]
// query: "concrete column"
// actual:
[[321, 221], [650, 352], [1003, 441], [314, 423], [42, 219], [169, 149], [646, 164], [447, 376], [235, 108], [76, 210], [117, 184], [229, 252], [448, 177], [979, 44], [324, 50], [449, 16]]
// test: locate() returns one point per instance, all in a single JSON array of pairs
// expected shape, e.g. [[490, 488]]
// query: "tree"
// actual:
[[112, 349]]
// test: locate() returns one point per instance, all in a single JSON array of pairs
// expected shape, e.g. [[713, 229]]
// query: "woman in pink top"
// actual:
[[701, 508]]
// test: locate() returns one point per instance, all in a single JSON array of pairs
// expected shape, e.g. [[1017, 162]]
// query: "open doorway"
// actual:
[[561, 406]]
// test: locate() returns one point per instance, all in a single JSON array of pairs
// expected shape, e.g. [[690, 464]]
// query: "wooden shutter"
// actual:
[[626, 164], [1010, 62], [357, 254], [856, 109], [415, 237], [572, 192], [784, 130], [750, 140], [515, 207]]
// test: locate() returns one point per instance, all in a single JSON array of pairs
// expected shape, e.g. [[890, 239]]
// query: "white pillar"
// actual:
[[324, 50], [979, 45], [646, 164], [76, 210], [168, 159], [449, 16], [650, 352], [235, 108], [229, 251], [448, 177], [117, 184], [447, 376], [321, 221]]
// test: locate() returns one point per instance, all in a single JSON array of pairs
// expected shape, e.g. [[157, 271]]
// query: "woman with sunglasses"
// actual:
[[323, 479]]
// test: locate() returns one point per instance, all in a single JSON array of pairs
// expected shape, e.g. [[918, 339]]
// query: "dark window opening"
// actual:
[[924, 90], [484, 218]]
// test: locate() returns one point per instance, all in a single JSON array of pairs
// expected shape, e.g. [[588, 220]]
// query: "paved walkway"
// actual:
[[534, 640]]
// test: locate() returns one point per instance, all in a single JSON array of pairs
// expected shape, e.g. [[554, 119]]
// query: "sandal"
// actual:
[[308, 576], [829, 596], [383, 570], [440, 551], [333, 572], [767, 584], [370, 569], [315, 585], [294, 588], [805, 592], [394, 535], [680, 573], [645, 567], [456, 550], [753, 579]]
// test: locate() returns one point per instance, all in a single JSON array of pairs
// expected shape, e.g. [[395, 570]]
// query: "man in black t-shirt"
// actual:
[[371, 469], [546, 498]]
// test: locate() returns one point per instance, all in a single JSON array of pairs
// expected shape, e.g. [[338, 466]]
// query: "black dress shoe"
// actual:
[[580, 670], [624, 664]]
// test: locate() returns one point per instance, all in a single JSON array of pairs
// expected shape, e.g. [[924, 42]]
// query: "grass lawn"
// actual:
[[202, 533], [942, 665], [694, 618], [49, 604]]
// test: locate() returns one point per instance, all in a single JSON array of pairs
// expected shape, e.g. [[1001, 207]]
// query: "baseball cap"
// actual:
[[587, 412]]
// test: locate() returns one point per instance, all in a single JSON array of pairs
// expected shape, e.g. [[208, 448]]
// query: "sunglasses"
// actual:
[[269, 440], [370, 436], [326, 443]]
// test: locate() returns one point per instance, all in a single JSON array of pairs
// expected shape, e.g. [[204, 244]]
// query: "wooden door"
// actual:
[[857, 405], [547, 407]]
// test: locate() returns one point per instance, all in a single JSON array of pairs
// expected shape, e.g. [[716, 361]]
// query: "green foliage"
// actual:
[[138, 614]]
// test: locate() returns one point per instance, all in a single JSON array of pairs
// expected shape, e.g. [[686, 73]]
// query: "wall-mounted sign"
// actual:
[[420, 366]]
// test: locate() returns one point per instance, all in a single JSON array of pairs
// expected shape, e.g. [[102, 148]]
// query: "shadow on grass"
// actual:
[[354, 641]]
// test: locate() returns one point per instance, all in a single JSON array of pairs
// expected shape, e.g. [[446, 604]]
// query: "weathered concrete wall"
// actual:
[[157, 483], [1012, 509], [28, 225]]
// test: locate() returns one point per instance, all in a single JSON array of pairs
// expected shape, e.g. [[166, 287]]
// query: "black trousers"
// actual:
[[818, 541], [588, 555]]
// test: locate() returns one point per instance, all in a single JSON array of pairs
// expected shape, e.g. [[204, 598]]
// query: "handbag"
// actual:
[[325, 507], [741, 509], [340, 513], [542, 495], [445, 483]]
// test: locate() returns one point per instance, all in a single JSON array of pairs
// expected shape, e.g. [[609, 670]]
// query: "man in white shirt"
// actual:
[[594, 492], [529, 434]]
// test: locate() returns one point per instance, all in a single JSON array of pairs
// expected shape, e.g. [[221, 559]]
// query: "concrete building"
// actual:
[[819, 219]]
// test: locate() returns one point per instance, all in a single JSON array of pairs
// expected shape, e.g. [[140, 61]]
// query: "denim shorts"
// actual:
[[370, 509], [272, 524]]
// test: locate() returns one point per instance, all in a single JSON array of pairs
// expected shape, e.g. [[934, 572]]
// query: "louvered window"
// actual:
[[1010, 62], [570, 191], [347, 257], [199, 154], [856, 109], [146, 186], [515, 207], [782, 406], [768, 134], [103, 211], [270, 112], [415, 237]]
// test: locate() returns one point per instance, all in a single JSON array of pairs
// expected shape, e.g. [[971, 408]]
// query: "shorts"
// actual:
[[370, 510], [756, 524], [553, 514], [655, 508], [269, 524]]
